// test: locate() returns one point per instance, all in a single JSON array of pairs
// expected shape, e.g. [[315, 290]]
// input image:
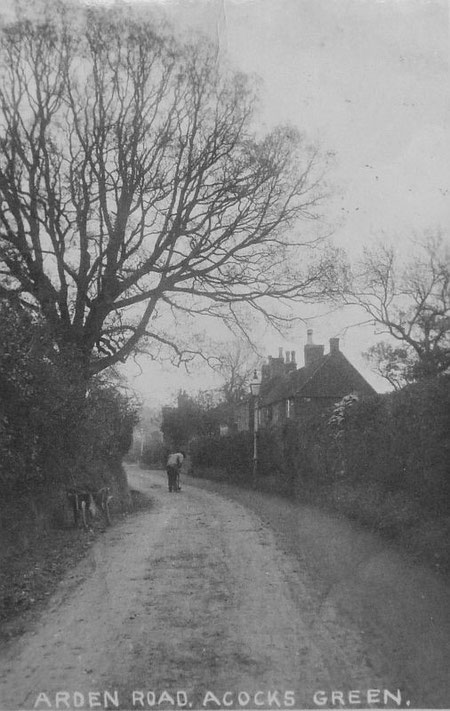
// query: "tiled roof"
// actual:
[[330, 376]]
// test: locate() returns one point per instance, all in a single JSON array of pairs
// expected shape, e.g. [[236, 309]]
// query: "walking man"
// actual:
[[174, 464]]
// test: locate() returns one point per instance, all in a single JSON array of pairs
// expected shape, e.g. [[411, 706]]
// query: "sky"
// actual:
[[368, 80]]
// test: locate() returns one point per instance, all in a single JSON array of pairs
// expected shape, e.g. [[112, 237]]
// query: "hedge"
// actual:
[[383, 461]]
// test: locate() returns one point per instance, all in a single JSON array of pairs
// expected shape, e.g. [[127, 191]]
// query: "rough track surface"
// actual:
[[197, 597]]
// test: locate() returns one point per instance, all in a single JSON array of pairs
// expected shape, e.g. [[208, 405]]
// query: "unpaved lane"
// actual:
[[193, 598], [399, 608]]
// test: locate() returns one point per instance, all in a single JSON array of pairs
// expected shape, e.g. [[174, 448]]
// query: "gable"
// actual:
[[335, 378]]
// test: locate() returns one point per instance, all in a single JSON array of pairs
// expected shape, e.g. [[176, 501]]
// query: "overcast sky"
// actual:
[[369, 81]]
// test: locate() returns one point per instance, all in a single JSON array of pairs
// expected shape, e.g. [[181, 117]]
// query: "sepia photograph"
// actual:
[[224, 355]]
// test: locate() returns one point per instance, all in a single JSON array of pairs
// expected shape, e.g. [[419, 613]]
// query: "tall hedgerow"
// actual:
[[53, 429]]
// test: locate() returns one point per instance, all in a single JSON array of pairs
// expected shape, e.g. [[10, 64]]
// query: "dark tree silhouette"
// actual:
[[133, 187]]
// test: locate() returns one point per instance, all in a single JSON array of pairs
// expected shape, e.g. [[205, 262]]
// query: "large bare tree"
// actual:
[[133, 186]]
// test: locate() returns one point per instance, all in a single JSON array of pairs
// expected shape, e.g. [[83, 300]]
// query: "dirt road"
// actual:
[[199, 603]]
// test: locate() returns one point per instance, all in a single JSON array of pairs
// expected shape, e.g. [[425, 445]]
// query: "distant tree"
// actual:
[[133, 187], [236, 364], [410, 301], [198, 415]]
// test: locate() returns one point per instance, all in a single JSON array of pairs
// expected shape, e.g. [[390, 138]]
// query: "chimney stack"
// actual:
[[334, 345], [275, 366], [312, 352], [289, 364]]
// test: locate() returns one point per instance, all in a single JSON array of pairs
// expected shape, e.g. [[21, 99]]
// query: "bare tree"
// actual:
[[411, 302], [133, 188], [236, 364]]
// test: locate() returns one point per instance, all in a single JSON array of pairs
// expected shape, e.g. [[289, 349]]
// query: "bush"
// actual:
[[54, 429], [233, 455]]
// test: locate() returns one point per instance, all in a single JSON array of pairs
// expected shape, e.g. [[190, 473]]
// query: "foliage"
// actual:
[[396, 443], [51, 429], [230, 455], [411, 302], [193, 417], [108, 422], [36, 390], [133, 189], [341, 409]]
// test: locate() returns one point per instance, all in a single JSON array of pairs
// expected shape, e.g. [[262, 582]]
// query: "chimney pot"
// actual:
[[288, 357], [309, 334], [292, 356], [280, 353]]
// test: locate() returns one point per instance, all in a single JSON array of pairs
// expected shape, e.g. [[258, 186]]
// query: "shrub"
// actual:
[[53, 428], [232, 454]]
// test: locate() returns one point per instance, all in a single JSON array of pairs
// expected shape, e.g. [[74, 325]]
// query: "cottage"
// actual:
[[287, 391]]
